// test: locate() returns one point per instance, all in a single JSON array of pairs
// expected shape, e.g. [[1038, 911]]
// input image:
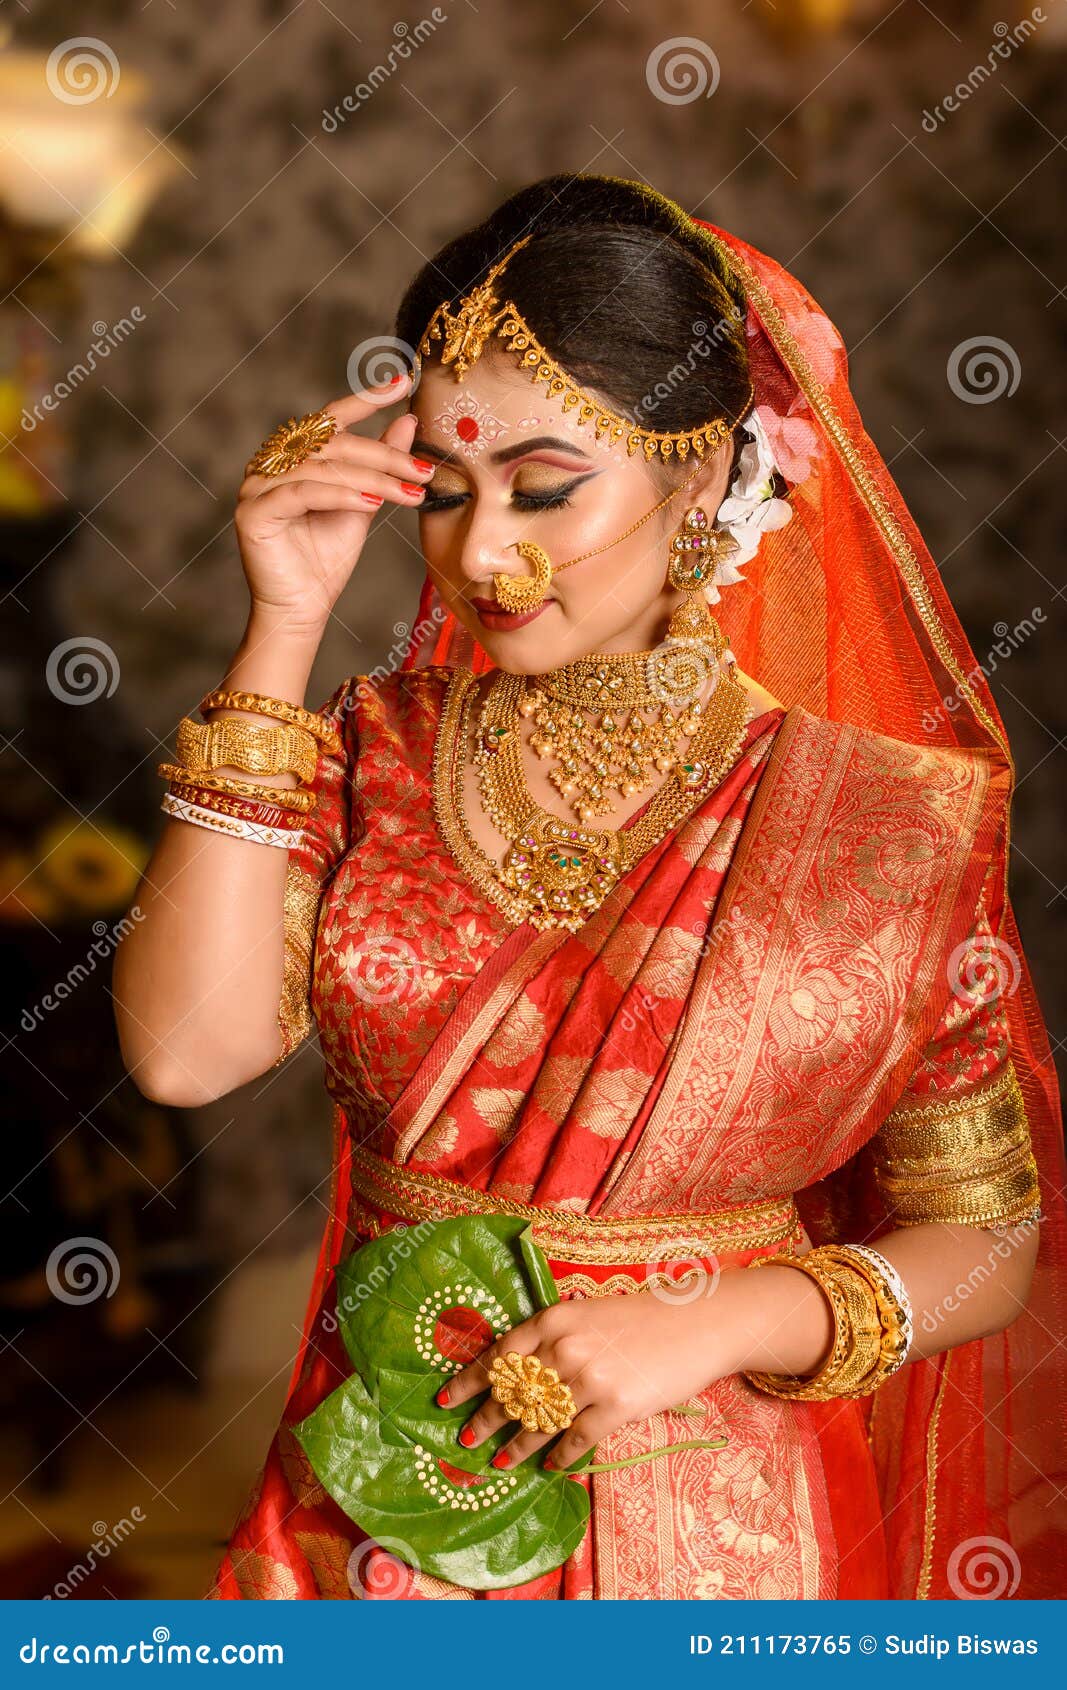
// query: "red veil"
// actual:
[[843, 611]]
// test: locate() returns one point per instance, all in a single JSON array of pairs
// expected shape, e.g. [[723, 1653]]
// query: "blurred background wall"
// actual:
[[197, 234]]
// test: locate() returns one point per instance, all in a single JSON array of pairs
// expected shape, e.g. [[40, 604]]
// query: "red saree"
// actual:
[[729, 1044]]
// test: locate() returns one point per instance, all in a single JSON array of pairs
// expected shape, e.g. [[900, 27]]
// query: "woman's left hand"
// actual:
[[624, 1357]]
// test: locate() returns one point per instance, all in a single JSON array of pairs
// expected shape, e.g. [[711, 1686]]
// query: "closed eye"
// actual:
[[521, 501]]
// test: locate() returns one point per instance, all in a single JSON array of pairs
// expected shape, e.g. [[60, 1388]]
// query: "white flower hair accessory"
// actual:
[[750, 509]]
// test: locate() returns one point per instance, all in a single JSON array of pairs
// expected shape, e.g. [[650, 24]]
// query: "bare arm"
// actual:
[[198, 978]]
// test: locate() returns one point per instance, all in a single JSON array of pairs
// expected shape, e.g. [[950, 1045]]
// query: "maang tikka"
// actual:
[[465, 332]]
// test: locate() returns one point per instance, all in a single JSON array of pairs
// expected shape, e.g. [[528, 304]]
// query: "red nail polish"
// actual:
[[400, 374], [501, 1459], [412, 487], [421, 463], [466, 1436], [441, 1398], [372, 498]]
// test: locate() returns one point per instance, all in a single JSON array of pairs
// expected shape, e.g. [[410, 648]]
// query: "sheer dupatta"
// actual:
[[843, 612]]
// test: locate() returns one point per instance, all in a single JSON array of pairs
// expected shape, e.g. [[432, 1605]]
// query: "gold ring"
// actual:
[[528, 1391], [291, 443]]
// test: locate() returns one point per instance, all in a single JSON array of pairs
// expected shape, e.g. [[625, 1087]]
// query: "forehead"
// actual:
[[495, 403]]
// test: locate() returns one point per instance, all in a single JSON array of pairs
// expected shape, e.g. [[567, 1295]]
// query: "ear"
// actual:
[[707, 486]]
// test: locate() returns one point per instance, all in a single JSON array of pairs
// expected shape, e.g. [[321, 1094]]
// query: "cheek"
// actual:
[[627, 577]]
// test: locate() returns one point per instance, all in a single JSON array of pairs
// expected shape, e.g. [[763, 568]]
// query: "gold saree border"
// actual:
[[922, 1583], [563, 1235], [838, 744]]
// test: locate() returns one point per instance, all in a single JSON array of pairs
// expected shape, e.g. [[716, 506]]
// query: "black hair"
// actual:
[[623, 289]]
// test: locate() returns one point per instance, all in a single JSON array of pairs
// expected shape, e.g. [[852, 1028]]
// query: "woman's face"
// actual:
[[513, 465]]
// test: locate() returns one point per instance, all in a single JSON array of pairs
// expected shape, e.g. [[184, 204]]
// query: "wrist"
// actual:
[[269, 625], [772, 1320], [272, 658]]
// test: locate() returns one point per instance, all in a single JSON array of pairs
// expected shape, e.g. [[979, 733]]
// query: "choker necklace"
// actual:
[[646, 705], [555, 874]]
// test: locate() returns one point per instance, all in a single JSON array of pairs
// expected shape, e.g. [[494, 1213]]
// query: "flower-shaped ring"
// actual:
[[291, 443], [529, 1391]]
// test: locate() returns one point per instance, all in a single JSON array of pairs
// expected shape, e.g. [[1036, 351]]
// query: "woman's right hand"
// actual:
[[301, 534]]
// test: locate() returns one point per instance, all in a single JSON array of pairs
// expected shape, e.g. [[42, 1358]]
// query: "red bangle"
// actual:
[[248, 809]]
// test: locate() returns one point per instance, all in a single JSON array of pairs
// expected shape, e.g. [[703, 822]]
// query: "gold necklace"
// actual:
[[554, 874], [613, 754]]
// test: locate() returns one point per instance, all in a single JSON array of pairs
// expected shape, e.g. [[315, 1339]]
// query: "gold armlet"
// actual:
[[966, 1160]]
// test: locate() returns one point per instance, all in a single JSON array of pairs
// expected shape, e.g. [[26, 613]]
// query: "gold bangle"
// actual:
[[891, 1303], [873, 1331], [233, 742], [262, 705], [287, 797], [813, 1386]]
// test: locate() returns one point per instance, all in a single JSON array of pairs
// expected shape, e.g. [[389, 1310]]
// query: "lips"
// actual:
[[491, 616]]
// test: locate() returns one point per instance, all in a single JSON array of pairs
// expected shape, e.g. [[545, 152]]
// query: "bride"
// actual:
[[659, 896]]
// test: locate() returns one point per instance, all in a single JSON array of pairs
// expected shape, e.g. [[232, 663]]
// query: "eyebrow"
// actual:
[[538, 443]]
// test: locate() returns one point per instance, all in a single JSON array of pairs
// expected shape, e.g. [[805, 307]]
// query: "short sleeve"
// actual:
[[328, 831], [956, 1147]]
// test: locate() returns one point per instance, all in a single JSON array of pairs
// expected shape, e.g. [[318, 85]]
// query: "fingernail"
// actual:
[[421, 463], [501, 1459], [401, 375], [466, 1436], [412, 487], [442, 1397], [372, 498]]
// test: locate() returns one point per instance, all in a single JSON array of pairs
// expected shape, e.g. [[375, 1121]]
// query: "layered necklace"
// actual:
[[555, 873]]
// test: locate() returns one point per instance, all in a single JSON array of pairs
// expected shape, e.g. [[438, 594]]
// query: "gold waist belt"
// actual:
[[564, 1236]]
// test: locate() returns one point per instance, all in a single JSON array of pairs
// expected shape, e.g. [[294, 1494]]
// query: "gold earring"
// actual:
[[524, 592], [696, 550]]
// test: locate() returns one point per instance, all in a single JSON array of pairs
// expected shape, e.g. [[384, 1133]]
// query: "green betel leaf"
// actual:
[[414, 1306]]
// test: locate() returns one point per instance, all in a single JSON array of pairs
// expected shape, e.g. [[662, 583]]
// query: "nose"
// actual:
[[482, 552]]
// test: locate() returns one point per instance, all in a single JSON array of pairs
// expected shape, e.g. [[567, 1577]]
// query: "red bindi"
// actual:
[[467, 428]]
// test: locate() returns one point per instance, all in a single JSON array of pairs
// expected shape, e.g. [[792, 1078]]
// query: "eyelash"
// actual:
[[522, 501]]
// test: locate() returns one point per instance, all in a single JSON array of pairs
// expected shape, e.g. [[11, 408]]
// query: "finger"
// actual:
[[361, 478], [581, 1436], [471, 1380], [363, 449], [296, 497], [354, 407], [400, 431]]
